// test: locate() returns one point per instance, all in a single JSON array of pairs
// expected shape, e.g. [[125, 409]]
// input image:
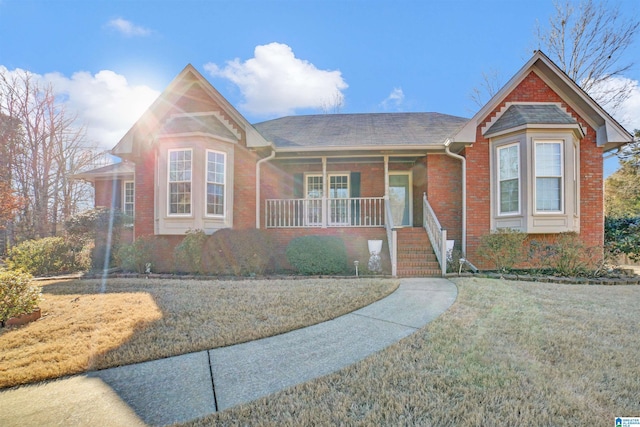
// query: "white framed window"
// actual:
[[179, 179], [508, 159], [549, 179], [338, 198], [128, 198], [314, 191], [216, 182]]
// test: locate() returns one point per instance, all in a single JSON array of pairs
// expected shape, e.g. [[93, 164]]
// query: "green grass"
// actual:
[[506, 353]]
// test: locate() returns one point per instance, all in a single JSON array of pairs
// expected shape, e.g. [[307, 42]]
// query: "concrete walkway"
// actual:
[[182, 388]]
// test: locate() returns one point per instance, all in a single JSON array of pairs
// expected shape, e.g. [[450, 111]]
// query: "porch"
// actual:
[[358, 192]]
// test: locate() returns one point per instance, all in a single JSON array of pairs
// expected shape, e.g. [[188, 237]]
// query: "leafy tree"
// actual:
[[622, 188]]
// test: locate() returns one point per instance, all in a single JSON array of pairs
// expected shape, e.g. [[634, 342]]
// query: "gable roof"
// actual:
[[373, 130], [609, 133], [145, 127]]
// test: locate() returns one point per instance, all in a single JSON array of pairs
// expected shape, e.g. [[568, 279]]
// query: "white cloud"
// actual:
[[628, 113], [275, 82], [104, 103], [128, 28], [394, 100], [630, 109]]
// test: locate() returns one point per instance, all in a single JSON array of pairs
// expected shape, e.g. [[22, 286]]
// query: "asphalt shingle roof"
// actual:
[[518, 115], [375, 129]]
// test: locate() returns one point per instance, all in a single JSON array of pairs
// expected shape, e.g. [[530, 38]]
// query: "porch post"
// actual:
[[325, 192], [386, 176]]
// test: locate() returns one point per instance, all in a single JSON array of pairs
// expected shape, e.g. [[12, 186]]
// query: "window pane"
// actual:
[[548, 159], [215, 199], [509, 179], [509, 201], [548, 194], [180, 198], [509, 162]]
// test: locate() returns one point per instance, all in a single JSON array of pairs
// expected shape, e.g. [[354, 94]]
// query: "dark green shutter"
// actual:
[[298, 186], [355, 192], [355, 184]]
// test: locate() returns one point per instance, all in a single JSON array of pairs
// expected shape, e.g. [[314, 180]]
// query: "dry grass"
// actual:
[[506, 353], [89, 326]]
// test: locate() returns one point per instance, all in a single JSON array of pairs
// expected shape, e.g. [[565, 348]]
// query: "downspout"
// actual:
[[258, 163], [463, 160]]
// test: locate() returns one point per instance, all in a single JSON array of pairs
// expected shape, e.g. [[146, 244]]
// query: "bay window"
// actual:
[[549, 176], [216, 165], [508, 179], [179, 179]]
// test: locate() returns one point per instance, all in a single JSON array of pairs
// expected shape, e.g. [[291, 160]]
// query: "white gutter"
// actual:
[[464, 192], [271, 156]]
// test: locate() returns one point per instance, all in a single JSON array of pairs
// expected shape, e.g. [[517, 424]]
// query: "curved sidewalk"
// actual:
[[189, 386]]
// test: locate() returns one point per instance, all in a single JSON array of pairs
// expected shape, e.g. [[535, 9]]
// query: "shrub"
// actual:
[[238, 252], [567, 255], [91, 229], [503, 248], [17, 294], [145, 250], [188, 254], [315, 255], [50, 255]]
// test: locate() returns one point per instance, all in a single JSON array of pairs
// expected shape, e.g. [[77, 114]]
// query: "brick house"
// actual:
[[530, 159]]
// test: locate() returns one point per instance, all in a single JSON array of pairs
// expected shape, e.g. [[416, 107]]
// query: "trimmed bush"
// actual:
[[17, 295], [51, 255], [188, 254], [317, 255], [145, 250], [503, 248], [238, 252]]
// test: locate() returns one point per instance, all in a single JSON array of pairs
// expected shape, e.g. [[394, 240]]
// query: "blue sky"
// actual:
[[270, 58]]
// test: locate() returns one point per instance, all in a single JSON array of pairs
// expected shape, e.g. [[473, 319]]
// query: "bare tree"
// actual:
[[490, 85], [333, 105], [47, 149], [589, 43]]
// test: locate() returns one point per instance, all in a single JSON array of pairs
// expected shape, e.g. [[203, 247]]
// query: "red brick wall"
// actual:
[[104, 193], [244, 191], [533, 89], [444, 192], [144, 194]]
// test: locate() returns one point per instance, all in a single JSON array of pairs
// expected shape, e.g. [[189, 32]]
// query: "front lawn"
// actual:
[[88, 325], [506, 353]]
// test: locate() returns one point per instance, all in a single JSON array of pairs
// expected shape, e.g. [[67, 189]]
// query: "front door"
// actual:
[[400, 198]]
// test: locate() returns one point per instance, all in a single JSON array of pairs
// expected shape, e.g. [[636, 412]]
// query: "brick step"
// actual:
[[415, 253], [430, 256], [417, 265]]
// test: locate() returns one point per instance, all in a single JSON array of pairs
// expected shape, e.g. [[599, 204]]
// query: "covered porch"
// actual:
[[386, 191]]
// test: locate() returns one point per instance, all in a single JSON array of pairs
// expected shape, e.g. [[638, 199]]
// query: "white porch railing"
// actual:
[[437, 234], [324, 212], [392, 238]]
